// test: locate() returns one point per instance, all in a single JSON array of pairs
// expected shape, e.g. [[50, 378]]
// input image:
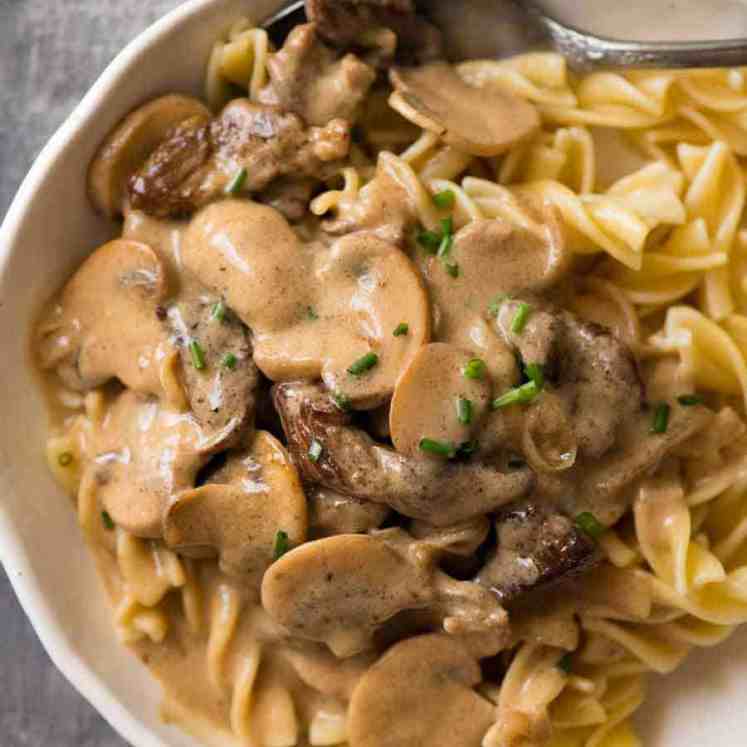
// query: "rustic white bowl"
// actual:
[[50, 227]]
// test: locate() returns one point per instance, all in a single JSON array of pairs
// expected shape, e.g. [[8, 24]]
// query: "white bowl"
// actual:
[[50, 227]]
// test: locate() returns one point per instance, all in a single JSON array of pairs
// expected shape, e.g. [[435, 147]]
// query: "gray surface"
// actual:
[[51, 51]]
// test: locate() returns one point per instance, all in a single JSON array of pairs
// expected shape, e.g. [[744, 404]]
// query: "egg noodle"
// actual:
[[666, 251]]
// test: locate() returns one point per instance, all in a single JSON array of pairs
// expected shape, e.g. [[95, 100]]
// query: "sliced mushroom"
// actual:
[[441, 492], [420, 693], [128, 146], [479, 121], [239, 520], [339, 590], [333, 513], [313, 311], [535, 547], [134, 474], [308, 79], [221, 391], [199, 160], [106, 324], [434, 399]]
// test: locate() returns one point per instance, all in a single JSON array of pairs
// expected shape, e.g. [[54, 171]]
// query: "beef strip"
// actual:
[[196, 163], [356, 24], [438, 491], [535, 547], [309, 79]]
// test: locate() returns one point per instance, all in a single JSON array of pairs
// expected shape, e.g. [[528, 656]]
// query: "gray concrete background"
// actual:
[[51, 51]]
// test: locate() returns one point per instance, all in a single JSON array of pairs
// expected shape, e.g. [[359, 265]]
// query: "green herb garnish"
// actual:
[[444, 200], [198, 355], [494, 306], [520, 395], [107, 521], [452, 268], [218, 312], [475, 369], [564, 663], [311, 313], [401, 329], [236, 184], [281, 545], [689, 400], [430, 241], [590, 525], [520, 318], [229, 361], [661, 419], [467, 448], [342, 401], [65, 459], [464, 410], [535, 373], [363, 364], [438, 448], [315, 451]]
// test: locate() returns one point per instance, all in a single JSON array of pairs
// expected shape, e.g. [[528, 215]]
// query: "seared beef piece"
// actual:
[[438, 491], [535, 547], [289, 196], [311, 80], [196, 163], [345, 23], [593, 372]]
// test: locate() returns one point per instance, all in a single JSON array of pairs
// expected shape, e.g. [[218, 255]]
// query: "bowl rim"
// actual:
[[13, 554]]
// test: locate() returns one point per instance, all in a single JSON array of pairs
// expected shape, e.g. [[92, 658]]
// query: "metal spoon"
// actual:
[[487, 28]]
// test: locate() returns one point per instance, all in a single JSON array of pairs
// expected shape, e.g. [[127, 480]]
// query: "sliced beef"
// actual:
[[289, 196], [594, 373], [222, 394], [357, 24], [311, 80], [441, 492], [196, 163], [535, 547]]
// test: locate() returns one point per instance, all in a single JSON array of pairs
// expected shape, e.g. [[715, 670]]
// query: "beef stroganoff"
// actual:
[[408, 406]]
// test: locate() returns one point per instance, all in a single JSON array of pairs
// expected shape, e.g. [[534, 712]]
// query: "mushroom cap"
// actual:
[[107, 325], [426, 398], [135, 475], [239, 521], [130, 143], [313, 310], [420, 693], [479, 121], [338, 590]]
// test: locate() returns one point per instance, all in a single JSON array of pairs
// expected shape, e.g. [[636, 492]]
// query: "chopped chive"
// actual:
[[315, 451], [661, 419], [444, 199], [107, 521], [452, 268], [689, 400], [281, 545], [494, 306], [520, 319], [235, 185], [564, 663], [342, 401], [590, 525], [464, 410], [401, 329], [447, 226], [198, 355], [467, 448], [366, 363], [520, 395], [311, 313], [65, 459], [515, 462], [444, 247], [229, 361], [535, 373], [430, 241], [475, 369], [437, 448], [218, 312]]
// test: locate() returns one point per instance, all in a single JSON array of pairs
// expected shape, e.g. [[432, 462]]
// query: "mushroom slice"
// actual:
[[434, 400], [221, 381], [441, 492], [334, 513], [145, 452], [420, 693], [479, 121], [535, 547], [127, 147], [313, 311], [339, 590], [106, 323], [239, 520]]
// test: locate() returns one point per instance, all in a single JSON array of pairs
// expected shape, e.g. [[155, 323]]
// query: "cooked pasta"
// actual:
[[622, 199]]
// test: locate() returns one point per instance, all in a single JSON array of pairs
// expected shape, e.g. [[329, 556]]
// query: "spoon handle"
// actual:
[[585, 51]]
